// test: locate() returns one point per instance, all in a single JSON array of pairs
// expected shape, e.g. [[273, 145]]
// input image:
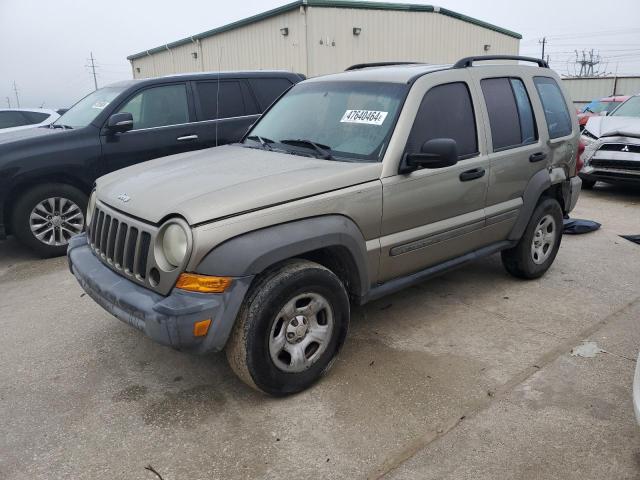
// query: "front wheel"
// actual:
[[290, 328], [47, 216], [537, 249]]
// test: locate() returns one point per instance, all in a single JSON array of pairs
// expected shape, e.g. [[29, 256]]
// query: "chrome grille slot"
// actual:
[[130, 249], [119, 244], [111, 239], [143, 250]]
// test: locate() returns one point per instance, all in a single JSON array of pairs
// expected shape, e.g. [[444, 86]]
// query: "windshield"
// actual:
[[598, 106], [350, 121], [87, 109], [630, 108]]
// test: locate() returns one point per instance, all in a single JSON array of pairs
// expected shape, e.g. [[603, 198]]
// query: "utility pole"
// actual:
[[15, 89], [8, 102], [543, 42], [93, 69]]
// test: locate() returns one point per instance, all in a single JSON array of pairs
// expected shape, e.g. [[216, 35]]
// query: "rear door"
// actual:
[[161, 126], [433, 215], [516, 149], [225, 110]]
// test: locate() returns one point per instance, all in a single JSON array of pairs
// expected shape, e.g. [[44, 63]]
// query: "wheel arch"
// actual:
[[333, 241]]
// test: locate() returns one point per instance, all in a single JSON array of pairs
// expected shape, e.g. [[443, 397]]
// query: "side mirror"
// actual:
[[120, 122], [435, 153]]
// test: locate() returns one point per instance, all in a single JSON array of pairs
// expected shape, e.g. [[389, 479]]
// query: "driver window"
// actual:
[[158, 107], [446, 111]]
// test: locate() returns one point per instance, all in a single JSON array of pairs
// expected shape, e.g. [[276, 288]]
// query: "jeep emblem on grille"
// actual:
[[625, 148], [124, 197]]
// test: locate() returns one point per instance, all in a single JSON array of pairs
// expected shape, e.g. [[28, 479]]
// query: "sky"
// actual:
[[45, 45]]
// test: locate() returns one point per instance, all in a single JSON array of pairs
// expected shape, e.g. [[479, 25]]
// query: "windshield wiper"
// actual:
[[263, 141], [318, 147], [58, 125]]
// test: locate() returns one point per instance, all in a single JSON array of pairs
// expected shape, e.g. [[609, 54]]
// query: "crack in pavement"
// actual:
[[500, 392]]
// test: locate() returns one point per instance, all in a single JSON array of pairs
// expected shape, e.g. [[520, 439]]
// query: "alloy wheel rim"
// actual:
[[55, 220], [544, 239], [301, 332]]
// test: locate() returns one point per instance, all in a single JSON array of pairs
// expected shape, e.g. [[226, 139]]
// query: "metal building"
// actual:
[[584, 89], [315, 37]]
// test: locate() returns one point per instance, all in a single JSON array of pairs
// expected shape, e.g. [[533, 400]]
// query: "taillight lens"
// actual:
[[579, 161]]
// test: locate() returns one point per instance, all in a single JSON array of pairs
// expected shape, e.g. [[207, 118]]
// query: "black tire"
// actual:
[[519, 261], [588, 184], [248, 350], [20, 216]]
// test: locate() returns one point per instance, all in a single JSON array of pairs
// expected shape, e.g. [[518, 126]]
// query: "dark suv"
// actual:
[[47, 173]]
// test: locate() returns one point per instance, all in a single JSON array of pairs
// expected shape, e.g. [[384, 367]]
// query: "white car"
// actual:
[[12, 119]]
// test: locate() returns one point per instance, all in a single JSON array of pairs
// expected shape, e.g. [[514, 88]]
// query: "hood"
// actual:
[[28, 133], [614, 126], [224, 181]]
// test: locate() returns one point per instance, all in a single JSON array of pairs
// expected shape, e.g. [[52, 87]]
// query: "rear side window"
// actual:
[[446, 111], [35, 117], [510, 113], [158, 107], [10, 119], [555, 108], [268, 89], [222, 99]]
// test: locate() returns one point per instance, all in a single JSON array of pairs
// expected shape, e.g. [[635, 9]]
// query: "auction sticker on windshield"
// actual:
[[369, 117]]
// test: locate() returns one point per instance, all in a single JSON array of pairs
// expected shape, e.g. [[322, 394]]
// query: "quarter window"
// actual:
[[446, 111], [555, 107], [268, 89], [158, 107], [510, 114]]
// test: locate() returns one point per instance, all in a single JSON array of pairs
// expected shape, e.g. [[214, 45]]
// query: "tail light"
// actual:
[[579, 161]]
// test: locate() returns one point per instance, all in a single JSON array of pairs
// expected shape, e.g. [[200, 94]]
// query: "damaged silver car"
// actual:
[[612, 146]]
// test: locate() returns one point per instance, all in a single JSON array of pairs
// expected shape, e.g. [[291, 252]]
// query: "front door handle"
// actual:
[[537, 157], [472, 174], [186, 138]]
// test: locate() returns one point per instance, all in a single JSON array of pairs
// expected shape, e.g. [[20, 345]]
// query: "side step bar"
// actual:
[[401, 283]]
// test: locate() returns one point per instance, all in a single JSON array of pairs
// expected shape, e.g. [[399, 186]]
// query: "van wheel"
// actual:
[[536, 250], [47, 216], [290, 328]]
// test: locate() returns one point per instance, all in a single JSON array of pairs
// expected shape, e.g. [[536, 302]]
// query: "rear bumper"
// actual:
[[167, 320]]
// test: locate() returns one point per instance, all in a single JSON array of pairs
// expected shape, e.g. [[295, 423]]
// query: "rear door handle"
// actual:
[[186, 138], [472, 174], [537, 157]]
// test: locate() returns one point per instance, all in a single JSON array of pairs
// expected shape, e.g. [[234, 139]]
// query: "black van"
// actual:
[[46, 174]]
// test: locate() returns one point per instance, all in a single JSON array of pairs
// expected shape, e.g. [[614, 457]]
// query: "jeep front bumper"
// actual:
[[167, 320]]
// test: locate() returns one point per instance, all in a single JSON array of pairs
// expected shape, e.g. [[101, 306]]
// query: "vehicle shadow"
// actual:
[[617, 191]]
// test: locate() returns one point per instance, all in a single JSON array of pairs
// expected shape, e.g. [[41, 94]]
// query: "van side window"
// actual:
[[510, 113], [555, 108], [268, 89], [158, 107], [229, 96], [446, 111]]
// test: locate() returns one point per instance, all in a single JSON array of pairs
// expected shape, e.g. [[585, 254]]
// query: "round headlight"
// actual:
[[174, 244], [91, 206]]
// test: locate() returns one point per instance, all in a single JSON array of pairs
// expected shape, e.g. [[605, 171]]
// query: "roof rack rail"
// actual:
[[358, 66], [468, 61]]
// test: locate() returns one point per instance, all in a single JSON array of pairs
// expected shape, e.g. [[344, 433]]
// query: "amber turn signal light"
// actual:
[[194, 282], [201, 328]]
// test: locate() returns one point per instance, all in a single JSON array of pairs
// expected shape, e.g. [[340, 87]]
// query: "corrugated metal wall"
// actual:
[[394, 35], [583, 90], [327, 35]]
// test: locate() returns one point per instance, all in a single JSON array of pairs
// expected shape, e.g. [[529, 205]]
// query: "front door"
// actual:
[[433, 215], [161, 127]]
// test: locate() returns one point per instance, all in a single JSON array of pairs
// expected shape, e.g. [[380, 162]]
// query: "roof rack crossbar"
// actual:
[[468, 61], [358, 66]]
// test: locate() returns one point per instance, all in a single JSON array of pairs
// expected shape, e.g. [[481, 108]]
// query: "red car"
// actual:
[[596, 107]]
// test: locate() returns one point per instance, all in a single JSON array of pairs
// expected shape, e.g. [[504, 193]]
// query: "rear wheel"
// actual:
[[290, 328], [538, 247], [47, 216]]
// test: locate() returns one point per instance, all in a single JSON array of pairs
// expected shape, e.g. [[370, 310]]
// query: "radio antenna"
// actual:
[[218, 94]]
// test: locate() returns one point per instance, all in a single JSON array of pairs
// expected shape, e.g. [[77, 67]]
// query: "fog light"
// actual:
[[201, 328], [203, 283]]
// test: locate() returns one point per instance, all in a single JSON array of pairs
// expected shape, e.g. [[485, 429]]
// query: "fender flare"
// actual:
[[252, 253], [540, 182]]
